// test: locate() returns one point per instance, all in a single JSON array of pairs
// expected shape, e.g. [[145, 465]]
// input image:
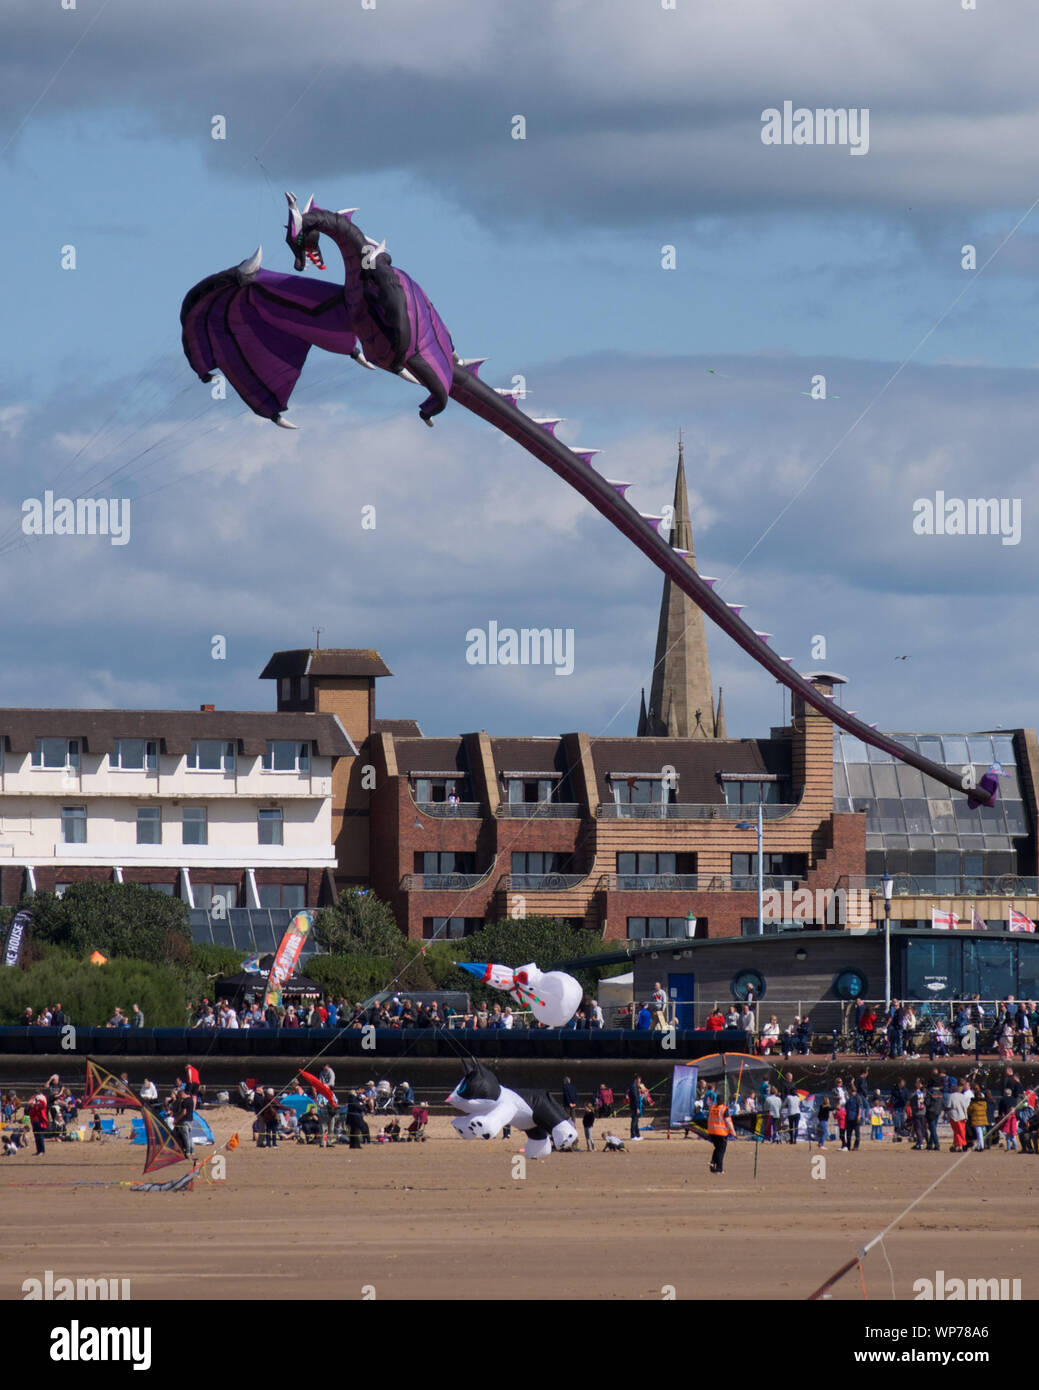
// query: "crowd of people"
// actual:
[[53, 1113], [54, 1016], [397, 1012], [1008, 1028], [978, 1111], [317, 1115]]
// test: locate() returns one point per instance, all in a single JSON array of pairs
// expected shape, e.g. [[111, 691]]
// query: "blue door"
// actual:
[[681, 991]]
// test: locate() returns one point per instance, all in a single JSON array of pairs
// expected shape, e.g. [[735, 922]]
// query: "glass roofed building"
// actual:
[[930, 841]]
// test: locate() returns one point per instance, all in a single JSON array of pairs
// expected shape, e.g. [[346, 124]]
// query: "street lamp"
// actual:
[[749, 825], [889, 884]]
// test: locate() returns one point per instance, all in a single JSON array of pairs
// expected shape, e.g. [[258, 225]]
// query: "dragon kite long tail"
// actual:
[[257, 326]]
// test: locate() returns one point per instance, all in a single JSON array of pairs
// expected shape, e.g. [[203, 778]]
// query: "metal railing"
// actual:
[[536, 810], [677, 810], [438, 883], [693, 883], [541, 883], [660, 883], [947, 885], [471, 809]]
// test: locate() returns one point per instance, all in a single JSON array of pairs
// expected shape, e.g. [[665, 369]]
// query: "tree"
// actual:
[[117, 919], [89, 993], [359, 924]]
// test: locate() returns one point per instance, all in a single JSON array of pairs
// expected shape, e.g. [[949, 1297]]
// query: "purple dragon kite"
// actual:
[[257, 326]]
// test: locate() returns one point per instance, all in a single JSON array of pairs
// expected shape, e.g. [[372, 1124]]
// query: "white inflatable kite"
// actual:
[[487, 1107], [552, 997]]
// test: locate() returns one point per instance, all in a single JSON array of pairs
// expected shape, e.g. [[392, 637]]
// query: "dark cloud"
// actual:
[[634, 114]]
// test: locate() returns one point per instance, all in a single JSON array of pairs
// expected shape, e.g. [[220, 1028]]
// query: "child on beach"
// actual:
[[876, 1121], [841, 1116], [588, 1120]]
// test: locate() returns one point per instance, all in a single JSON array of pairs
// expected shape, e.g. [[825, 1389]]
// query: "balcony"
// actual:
[[539, 810], [662, 883], [691, 883], [677, 810], [470, 810], [440, 883], [948, 885], [541, 883]]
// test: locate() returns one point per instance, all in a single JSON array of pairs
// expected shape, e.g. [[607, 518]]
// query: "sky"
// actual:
[[643, 150]]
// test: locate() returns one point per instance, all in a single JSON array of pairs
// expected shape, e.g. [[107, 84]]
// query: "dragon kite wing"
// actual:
[[257, 326]]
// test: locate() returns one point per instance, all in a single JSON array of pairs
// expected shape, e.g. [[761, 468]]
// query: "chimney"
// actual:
[[206, 709]]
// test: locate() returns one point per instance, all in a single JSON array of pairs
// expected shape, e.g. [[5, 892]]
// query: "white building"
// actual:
[[226, 810]]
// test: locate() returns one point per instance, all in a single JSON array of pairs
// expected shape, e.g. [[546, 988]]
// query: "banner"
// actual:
[[287, 956], [683, 1095], [15, 937], [944, 921], [1019, 922]]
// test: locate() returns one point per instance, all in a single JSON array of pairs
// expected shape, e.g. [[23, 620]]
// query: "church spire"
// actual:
[[719, 717], [681, 683]]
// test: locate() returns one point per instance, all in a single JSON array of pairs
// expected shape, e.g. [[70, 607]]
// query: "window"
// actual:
[[932, 967], [988, 968], [639, 791], [794, 866], [269, 825], [850, 984], [440, 788], [747, 983], [135, 754], [749, 793], [445, 862], [60, 889], [211, 755], [450, 928], [74, 825], [194, 828], [646, 870], [168, 888], [286, 757], [56, 752], [529, 790], [149, 825], [278, 895], [286, 688], [217, 898], [304, 687], [672, 928], [541, 862]]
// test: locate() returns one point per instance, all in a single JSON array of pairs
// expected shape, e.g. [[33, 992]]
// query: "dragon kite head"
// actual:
[[302, 241]]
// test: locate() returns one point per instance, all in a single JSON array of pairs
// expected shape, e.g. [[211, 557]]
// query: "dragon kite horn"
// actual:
[[295, 216], [251, 266]]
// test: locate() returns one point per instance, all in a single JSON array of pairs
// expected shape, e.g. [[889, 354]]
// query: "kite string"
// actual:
[[994, 1132]]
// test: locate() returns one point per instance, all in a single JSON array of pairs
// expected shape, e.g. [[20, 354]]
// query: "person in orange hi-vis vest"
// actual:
[[719, 1128]]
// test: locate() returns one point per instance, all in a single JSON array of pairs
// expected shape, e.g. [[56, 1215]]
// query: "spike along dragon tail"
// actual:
[[256, 327]]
